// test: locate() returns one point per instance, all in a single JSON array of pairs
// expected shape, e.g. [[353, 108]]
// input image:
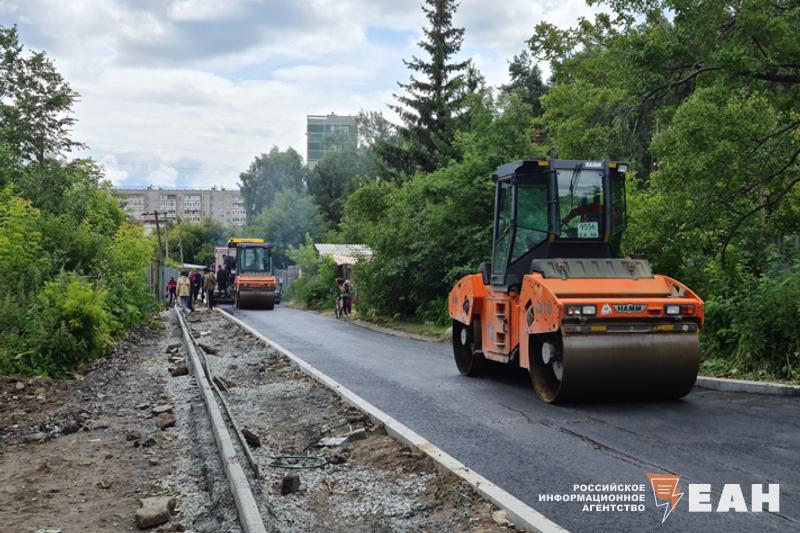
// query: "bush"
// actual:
[[316, 287], [67, 326], [123, 263], [752, 329]]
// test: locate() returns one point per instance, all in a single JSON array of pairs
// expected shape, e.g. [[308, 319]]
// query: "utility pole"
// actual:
[[180, 245], [166, 234], [159, 270], [158, 234]]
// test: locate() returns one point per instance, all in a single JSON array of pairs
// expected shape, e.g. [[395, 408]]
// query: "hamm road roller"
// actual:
[[254, 284], [557, 299]]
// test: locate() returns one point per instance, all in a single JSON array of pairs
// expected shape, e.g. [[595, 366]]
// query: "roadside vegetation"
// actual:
[[73, 265], [700, 99]]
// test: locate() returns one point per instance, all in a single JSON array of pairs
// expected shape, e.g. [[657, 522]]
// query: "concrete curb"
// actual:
[[752, 387], [519, 513], [249, 515]]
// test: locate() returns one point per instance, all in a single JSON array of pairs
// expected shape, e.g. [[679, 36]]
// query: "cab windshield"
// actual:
[[252, 260], [580, 201]]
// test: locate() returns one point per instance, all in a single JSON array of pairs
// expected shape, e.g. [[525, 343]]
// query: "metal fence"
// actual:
[[158, 276], [287, 276]]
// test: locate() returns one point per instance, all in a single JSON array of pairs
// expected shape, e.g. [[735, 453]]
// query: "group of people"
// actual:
[[194, 285]]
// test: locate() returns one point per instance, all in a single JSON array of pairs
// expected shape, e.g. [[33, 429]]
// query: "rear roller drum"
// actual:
[[468, 360]]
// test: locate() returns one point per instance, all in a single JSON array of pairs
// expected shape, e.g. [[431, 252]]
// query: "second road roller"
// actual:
[[557, 299], [254, 283]]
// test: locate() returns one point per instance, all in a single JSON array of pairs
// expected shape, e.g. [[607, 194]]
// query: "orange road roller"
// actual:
[[558, 300]]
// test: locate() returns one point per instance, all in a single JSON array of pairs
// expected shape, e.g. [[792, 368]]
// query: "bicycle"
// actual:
[[338, 311]]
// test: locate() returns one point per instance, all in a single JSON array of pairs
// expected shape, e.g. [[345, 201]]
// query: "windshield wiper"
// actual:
[[573, 182]]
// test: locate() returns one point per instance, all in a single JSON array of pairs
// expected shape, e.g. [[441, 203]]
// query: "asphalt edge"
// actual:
[[751, 387], [520, 514]]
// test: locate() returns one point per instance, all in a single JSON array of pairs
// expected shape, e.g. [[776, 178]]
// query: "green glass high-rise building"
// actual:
[[326, 133]]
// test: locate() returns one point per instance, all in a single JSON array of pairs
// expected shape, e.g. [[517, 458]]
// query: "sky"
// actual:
[[185, 93]]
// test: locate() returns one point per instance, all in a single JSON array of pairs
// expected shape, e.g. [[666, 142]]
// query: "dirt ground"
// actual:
[[65, 458], [79, 456]]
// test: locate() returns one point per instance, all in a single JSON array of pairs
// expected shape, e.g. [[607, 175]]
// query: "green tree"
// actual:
[[701, 97], [430, 230], [335, 177], [269, 174], [286, 222], [525, 81], [74, 264], [197, 240], [35, 102], [433, 98]]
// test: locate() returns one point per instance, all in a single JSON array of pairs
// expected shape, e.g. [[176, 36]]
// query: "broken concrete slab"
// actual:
[[357, 434], [179, 370], [208, 349], [332, 442], [36, 437], [163, 408], [165, 420], [290, 484], [252, 439], [155, 511]]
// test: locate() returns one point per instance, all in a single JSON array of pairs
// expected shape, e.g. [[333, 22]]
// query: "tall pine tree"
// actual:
[[433, 97], [526, 81]]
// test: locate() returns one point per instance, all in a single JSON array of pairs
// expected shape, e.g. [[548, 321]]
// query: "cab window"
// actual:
[[503, 225], [531, 217], [580, 201]]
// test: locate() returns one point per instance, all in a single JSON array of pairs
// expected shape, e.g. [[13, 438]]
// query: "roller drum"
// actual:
[[256, 301], [618, 366]]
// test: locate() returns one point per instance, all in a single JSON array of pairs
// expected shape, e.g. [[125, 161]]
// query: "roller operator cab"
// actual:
[[558, 300], [254, 284]]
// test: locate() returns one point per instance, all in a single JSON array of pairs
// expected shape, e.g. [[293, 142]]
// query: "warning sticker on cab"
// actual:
[[587, 230]]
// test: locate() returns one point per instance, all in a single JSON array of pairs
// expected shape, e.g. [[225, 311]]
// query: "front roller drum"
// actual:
[[247, 300], [614, 366]]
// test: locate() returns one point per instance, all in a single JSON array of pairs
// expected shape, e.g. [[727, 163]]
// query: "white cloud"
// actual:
[[188, 91], [113, 173], [163, 176]]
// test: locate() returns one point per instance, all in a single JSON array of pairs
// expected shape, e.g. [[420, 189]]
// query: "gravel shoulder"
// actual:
[[370, 482], [81, 456]]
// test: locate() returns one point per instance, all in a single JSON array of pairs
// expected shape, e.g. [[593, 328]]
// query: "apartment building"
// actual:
[[193, 205]]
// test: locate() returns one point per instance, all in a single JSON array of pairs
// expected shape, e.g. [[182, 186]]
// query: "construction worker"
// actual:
[[184, 289], [209, 281]]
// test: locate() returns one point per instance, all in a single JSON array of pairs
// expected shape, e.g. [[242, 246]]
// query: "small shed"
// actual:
[[344, 255]]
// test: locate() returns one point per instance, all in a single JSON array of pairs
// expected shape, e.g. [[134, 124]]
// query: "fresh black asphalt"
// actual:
[[496, 426]]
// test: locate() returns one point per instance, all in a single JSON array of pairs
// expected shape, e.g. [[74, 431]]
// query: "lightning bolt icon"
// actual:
[[666, 492]]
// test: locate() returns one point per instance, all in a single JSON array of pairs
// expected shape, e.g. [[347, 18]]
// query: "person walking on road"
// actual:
[[184, 289], [209, 282]]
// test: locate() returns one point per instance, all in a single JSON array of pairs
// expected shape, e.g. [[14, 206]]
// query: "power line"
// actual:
[[174, 149], [155, 167]]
